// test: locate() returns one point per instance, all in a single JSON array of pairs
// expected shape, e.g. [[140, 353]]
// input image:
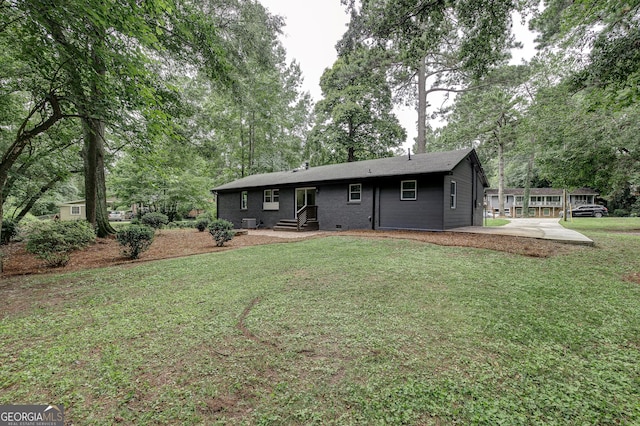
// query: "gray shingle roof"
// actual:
[[436, 162]]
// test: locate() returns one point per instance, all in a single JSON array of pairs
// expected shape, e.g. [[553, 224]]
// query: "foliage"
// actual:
[[53, 241], [435, 47], [355, 120], [222, 231], [202, 224], [155, 220], [461, 339], [135, 239], [9, 230]]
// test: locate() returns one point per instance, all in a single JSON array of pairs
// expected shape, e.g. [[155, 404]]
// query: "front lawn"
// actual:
[[336, 330], [604, 224]]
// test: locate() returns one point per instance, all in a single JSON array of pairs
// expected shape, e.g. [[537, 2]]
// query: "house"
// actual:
[[433, 191], [73, 210], [543, 202], [76, 210]]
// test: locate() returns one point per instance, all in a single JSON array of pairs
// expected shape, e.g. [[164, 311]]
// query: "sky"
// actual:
[[312, 29]]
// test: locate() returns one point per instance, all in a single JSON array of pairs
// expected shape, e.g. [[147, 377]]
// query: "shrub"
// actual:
[[621, 212], [202, 224], [54, 241], [222, 231], [155, 220], [135, 239], [9, 230]]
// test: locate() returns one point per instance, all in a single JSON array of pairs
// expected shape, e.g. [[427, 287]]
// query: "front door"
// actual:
[[305, 197]]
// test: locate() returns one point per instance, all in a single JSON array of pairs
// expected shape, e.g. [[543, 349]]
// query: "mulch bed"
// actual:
[[186, 242]]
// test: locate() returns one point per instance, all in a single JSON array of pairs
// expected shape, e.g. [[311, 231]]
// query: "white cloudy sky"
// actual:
[[313, 27]]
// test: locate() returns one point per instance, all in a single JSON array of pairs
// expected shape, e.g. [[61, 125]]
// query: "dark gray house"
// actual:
[[434, 191]]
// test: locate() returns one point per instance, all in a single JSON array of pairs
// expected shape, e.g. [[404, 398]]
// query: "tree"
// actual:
[[488, 118], [355, 118], [432, 46], [596, 101]]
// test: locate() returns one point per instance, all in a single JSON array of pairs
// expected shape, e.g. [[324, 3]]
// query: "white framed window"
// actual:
[[355, 192], [75, 210], [244, 200], [453, 195], [409, 190], [546, 211], [271, 200]]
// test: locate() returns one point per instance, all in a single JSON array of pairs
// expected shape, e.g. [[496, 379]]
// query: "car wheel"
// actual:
[[598, 214]]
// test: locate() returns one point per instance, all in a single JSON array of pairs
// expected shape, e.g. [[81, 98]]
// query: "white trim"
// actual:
[[271, 199], [352, 192], [244, 200], [271, 206], [453, 194], [75, 207], [414, 190]]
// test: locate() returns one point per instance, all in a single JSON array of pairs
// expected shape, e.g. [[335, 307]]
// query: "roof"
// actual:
[[416, 164], [542, 191], [72, 203]]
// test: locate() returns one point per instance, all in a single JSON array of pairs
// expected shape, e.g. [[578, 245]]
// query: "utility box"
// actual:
[[249, 223]]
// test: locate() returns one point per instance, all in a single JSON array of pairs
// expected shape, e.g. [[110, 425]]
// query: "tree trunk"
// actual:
[[34, 198], [501, 178], [351, 149], [421, 143], [89, 158], [527, 185], [94, 177]]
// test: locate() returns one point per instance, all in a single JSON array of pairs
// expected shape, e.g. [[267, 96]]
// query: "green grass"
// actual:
[[337, 330], [496, 222], [604, 224]]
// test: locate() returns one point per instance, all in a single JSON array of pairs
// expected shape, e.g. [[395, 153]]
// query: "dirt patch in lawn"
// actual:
[[186, 242]]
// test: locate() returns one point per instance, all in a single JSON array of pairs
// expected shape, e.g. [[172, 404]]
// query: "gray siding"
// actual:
[[335, 212], [229, 207], [462, 214], [468, 211], [423, 213], [380, 206]]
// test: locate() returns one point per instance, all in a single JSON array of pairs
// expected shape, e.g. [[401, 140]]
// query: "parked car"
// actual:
[[589, 210], [116, 216]]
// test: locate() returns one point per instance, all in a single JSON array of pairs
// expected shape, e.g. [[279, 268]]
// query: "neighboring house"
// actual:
[[73, 210], [543, 202], [76, 210], [434, 191]]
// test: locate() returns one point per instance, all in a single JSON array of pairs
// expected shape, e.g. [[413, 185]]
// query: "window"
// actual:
[[546, 211], [536, 200], [75, 210], [453, 194], [271, 199], [271, 195], [553, 200], [409, 190], [244, 200], [355, 193]]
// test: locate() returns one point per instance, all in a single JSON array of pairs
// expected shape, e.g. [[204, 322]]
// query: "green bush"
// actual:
[[222, 231], [155, 220], [621, 212], [135, 239], [9, 230], [202, 224], [54, 241]]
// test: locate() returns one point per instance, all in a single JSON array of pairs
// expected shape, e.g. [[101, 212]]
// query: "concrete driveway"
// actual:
[[546, 229]]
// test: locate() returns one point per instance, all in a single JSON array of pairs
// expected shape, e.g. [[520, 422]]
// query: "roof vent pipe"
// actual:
[[409, 150], [306, 165]]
